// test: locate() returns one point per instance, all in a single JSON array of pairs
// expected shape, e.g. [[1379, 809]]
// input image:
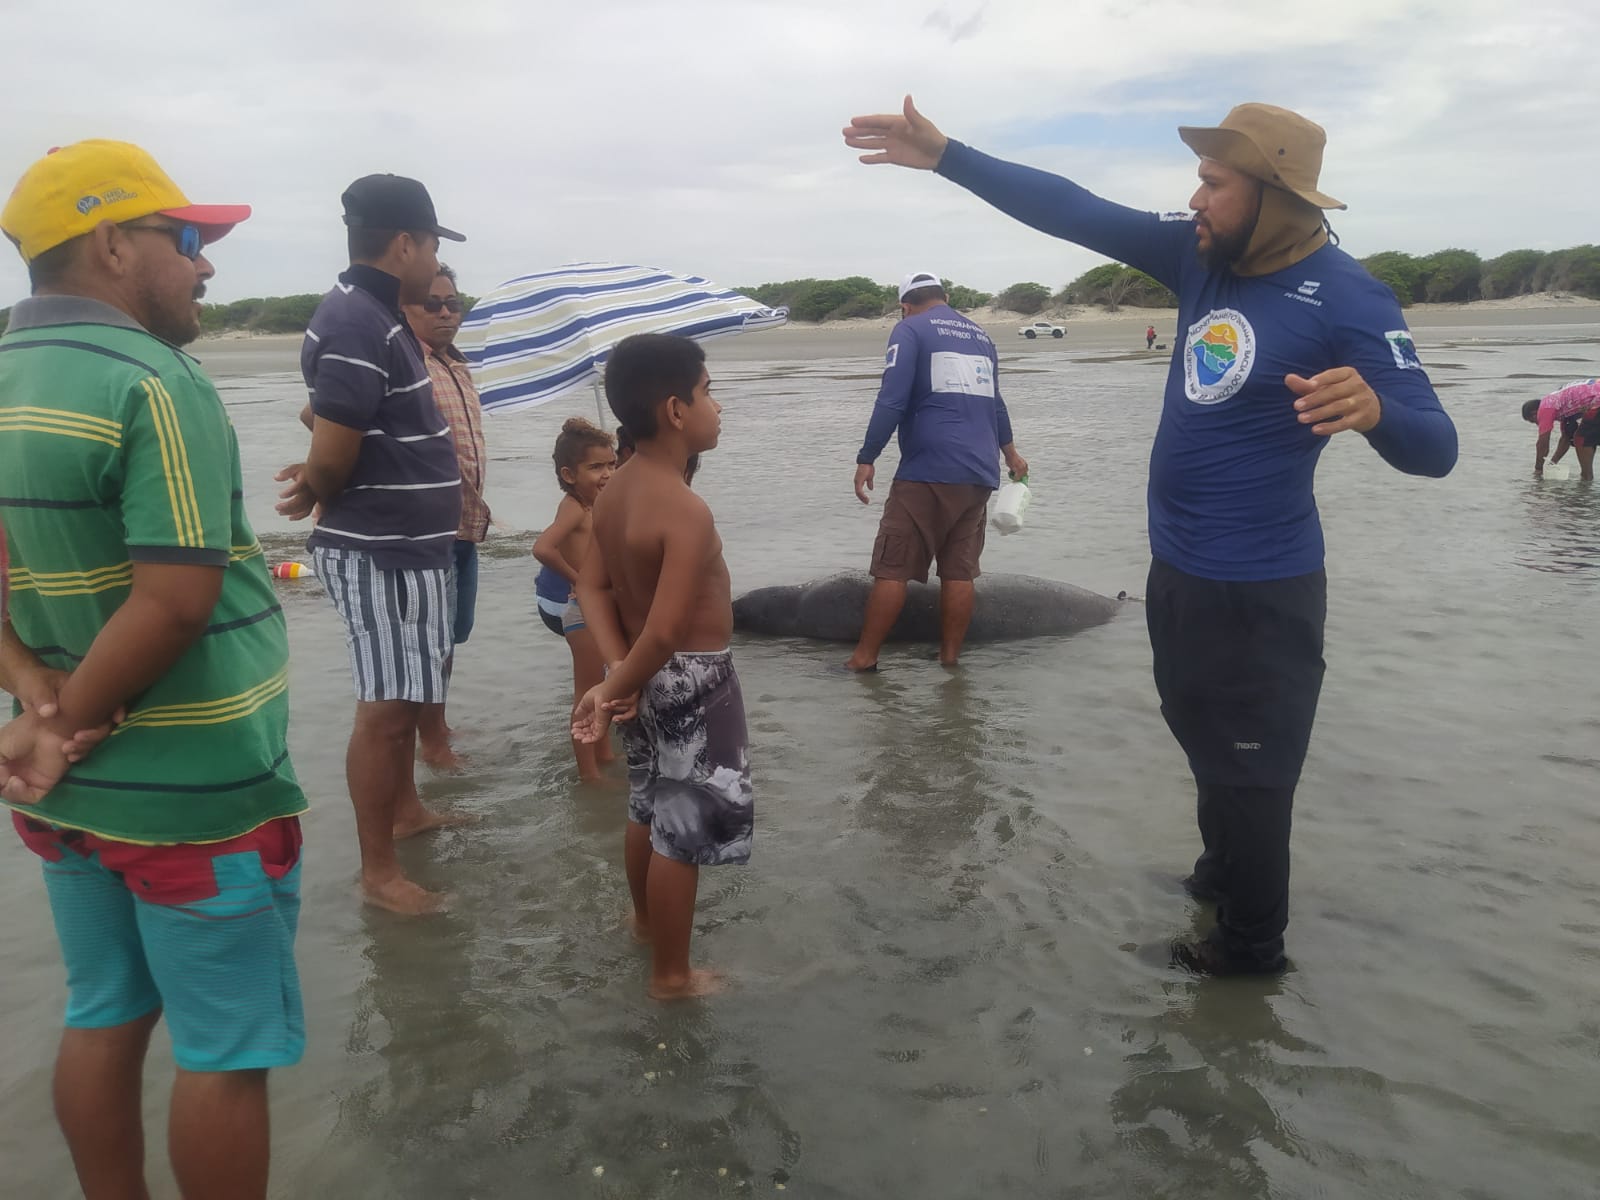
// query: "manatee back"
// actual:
[[1008, 607], [773, 611], [832, 609], [1022, 606]]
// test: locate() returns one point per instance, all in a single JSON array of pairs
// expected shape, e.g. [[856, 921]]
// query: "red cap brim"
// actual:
[[214, 220]]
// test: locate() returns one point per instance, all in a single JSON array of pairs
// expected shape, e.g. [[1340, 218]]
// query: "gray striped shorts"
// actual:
[[396, 623]]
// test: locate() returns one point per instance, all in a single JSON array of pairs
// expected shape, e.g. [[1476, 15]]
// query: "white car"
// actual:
[[1041, 329]]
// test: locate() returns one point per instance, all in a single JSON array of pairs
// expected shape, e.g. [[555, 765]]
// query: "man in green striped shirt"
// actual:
[[171, 854]]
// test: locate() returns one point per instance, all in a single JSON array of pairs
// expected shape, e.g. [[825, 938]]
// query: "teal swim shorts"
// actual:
[[204, 933]]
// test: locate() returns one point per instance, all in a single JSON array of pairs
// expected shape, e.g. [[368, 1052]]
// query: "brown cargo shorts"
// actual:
[[927, 521]]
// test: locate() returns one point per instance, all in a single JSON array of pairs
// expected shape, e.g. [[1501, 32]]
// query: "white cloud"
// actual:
[[702, 135]]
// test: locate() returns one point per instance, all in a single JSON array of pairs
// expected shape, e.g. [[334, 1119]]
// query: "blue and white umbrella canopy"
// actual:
[[541, 336]]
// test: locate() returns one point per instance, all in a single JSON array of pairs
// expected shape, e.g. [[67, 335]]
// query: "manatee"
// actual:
[[1008, 607]]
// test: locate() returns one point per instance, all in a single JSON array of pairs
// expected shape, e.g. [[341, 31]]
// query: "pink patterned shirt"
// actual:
[[456, 397], [1579, 396]]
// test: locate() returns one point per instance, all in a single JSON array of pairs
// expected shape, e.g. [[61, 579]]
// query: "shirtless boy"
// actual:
[[657, 599], [584, 459]]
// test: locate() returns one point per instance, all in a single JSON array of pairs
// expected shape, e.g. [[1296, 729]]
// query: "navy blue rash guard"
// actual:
[[941, 390], [1231, 469]]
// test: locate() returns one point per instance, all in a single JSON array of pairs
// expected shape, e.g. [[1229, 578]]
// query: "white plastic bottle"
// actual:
[[1010, 504]]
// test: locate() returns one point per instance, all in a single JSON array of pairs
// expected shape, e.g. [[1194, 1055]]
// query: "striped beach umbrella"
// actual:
[[539, 337]]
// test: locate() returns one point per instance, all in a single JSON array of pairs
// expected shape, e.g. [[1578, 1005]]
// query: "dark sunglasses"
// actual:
[[185, 237], [450, 304]]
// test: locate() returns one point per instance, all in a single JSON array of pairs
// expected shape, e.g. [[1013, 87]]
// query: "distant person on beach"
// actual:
[[435, 321], [657, 598], [584, 460], [941, 395], [1576, 407], [138, 593], [1284, 341], [1149, 336], [384, 471]]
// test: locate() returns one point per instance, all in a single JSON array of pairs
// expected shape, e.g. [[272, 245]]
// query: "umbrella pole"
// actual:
[[599, 408]]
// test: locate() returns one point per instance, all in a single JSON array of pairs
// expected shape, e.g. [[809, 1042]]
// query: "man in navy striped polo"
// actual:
[[384, 470]]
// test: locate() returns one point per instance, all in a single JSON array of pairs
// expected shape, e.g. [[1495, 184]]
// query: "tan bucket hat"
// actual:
[[1278, 147]]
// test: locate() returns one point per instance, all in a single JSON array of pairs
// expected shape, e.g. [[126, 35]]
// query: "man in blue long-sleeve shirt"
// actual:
[[941, 392], [1283, 341]]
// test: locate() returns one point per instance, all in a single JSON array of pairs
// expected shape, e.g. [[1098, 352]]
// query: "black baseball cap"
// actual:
[[392, 202]]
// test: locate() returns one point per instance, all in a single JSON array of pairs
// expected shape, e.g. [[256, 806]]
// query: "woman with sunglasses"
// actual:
[[435, 320]]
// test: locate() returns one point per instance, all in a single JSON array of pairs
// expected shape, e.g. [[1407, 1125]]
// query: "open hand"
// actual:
[[906, 138], [864, 475], [590, 717], [33, 759], [297, 500], [1336, 400]]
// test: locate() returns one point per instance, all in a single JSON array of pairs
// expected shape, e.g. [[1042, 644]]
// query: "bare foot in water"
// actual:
[[860, 665], [399, 895], [638, 930], [687, 987], [441, 758], [427, 821]]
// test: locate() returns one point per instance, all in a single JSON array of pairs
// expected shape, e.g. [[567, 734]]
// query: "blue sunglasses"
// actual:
[[185, 237]]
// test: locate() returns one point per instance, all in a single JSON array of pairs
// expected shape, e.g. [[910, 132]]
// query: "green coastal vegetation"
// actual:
[[1460, 276], [813, 300], [1445, 277]]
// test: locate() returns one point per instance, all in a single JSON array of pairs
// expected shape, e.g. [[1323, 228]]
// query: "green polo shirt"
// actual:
[[115, 449]]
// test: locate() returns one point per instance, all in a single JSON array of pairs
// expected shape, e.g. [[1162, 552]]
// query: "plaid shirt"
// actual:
[[456, 397]]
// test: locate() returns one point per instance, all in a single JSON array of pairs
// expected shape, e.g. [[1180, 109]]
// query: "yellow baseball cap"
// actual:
[[73, 188]]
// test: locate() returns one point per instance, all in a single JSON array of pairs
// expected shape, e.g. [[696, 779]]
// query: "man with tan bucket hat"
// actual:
[[1283, 340], [171, 853]]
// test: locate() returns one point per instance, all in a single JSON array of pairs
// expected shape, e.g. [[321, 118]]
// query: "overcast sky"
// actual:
[[703, 135]]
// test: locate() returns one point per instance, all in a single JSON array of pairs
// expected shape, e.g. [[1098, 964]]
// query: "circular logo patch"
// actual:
[[1218, 355]]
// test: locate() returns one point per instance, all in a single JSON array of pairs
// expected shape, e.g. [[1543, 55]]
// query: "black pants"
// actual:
[[1239, 669]]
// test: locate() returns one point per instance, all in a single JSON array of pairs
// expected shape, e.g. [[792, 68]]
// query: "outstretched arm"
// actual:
[[1047, 202]]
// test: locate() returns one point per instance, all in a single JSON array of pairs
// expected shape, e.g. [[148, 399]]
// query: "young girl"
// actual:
[[584, 458]]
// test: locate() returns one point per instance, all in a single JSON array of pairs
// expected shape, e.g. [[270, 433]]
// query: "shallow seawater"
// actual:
[[948, 950]]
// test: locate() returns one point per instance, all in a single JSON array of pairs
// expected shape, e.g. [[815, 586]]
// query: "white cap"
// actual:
[[918, 279]]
